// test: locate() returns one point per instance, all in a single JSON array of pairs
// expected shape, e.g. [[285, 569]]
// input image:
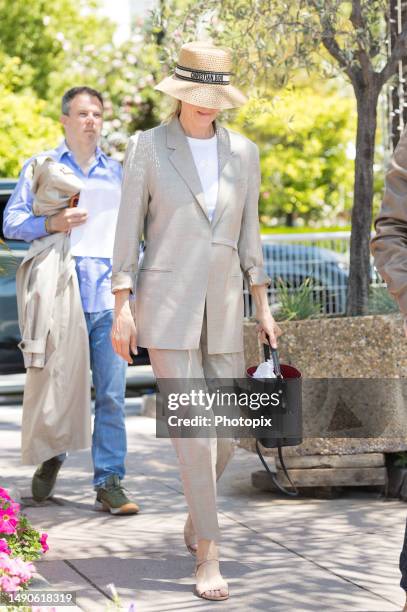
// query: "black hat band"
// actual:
[[202, 76]]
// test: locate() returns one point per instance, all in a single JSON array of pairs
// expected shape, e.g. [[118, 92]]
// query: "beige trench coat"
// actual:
[[55, 346], [188, 261], [389, 245]]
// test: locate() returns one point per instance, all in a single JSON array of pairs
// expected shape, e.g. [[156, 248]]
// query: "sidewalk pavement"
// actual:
[[278, 554]]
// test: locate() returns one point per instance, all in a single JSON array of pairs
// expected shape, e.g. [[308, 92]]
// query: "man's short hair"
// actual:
[[76, 91]]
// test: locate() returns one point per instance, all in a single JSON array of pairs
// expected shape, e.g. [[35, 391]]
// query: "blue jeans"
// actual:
[[109, 443]]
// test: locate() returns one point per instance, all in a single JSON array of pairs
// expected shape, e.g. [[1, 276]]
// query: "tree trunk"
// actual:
[[359, 274], [398, 94]]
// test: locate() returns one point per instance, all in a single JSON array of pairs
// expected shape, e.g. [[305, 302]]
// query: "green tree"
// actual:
[[307, 171], [270, 40], [24, 130], [37, 43], [15, 75], [126, 75], [50, 48], [44, 34]]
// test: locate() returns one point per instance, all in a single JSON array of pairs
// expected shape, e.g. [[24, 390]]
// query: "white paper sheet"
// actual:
[[95, 238]]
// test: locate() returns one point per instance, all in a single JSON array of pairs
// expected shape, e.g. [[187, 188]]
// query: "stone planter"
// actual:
[[333, 349]]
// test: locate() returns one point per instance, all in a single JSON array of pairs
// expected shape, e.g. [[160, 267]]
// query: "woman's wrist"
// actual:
[[260, 298], [264, 314], [121, 298]]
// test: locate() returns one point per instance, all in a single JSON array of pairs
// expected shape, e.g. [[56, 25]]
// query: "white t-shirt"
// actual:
[[205, 154]]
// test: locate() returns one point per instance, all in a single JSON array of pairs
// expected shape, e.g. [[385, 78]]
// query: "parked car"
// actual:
[[11, 358], [326, 269]]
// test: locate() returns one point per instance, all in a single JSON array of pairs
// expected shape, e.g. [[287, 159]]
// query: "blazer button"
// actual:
[[22, 345]]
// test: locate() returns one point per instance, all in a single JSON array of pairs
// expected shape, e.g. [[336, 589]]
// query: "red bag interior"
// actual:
[[286, 370]]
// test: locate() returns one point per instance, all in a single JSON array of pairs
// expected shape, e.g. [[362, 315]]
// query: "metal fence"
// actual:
[[322, 257]]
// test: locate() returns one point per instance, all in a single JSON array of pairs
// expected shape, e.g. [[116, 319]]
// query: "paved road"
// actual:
[[280, 554]]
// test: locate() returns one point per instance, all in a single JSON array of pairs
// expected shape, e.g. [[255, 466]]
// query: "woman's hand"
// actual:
[[266, 322], [267, 326], [123, 334]]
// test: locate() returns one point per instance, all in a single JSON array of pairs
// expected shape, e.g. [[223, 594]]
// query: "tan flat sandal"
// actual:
[[208, 587]]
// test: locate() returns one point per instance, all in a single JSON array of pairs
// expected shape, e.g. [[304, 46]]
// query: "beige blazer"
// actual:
[[389, 245], [188, 261]]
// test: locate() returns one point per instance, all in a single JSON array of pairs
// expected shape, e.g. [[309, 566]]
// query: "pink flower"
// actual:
[[4, 494], [10, 505], [4, 546], [16, 568], [23, 569], [8, 521], [7, 503], [14, 506], [5, 562], [9, 584], [43, 542]]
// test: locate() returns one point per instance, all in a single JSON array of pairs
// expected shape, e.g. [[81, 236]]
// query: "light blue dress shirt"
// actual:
[[19, 222]]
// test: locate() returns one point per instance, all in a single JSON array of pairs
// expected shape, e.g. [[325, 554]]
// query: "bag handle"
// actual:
[[268, 349], [274, 480]]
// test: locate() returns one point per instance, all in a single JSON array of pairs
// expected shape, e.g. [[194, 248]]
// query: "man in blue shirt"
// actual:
[[82, 118]]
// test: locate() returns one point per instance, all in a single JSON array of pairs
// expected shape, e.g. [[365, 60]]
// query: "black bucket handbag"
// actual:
[[287, 420]]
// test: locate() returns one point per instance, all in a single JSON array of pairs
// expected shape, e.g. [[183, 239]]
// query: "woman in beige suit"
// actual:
[[191, 186]]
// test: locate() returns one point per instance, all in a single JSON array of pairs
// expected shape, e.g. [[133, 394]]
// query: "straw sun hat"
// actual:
[[202, 77]]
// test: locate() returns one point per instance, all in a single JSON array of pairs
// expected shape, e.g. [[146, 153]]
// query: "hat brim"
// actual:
[[202, 94]]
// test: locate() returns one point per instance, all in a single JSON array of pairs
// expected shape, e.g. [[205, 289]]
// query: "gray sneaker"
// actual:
[[112, 498], [44, 479]]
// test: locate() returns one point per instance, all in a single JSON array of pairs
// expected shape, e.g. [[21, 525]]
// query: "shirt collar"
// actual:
[[63, 149]]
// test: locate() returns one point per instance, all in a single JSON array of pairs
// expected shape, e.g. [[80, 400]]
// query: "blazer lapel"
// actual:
[[225, 154], [182, 160]]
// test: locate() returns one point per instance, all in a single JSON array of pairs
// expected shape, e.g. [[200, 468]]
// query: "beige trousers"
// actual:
[[201, 460]]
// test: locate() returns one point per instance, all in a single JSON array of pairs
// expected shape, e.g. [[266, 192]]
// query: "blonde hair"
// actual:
[[175, 110]]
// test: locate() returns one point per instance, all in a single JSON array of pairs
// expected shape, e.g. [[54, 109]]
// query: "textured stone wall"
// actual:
[[371, 347], [348, 347]]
